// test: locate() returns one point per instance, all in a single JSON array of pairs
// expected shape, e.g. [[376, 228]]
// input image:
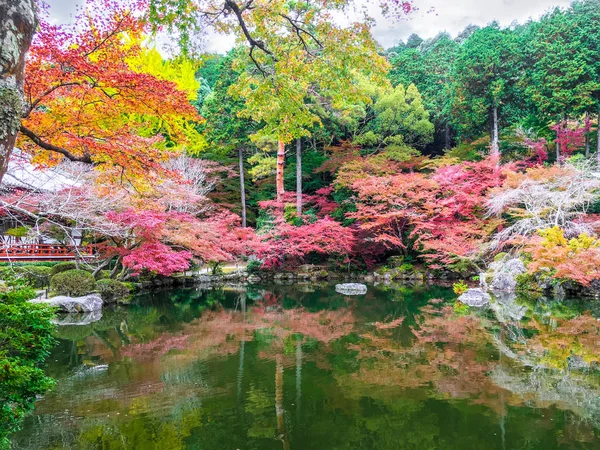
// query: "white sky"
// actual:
[[446, 15]]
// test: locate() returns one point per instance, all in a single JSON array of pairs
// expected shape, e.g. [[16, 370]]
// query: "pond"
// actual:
[[303, 367]]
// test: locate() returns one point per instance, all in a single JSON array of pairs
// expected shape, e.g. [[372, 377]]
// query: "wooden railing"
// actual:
[[42, 252]]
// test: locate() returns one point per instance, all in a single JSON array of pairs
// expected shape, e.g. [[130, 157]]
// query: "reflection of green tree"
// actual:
[[260, 406]]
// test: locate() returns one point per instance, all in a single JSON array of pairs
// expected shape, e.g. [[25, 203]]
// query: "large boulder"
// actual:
[[476, 298], [351, 289], [87, 303], [502, 274]]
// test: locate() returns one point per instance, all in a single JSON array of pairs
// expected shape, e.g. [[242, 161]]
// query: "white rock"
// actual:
[[87, 303], [351, 289]]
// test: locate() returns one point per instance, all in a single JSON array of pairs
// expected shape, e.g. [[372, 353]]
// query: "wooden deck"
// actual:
[[43, 252]]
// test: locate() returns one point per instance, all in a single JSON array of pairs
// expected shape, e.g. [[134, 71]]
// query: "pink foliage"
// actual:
[[538, 149], [286, 244], [439, 213], [570, 139], [156, 257]]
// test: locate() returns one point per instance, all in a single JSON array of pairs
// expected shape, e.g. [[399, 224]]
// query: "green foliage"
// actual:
[[103, 275], [17, 231], [28, 263], [253, 266], [484, 73], [63, 267], [74, 283], [25, 341], [111, 290], [564, 47], [401, 121], [526, 282], [395, 261], [460, 287], [406, 267], [36, 276], [461, 309]]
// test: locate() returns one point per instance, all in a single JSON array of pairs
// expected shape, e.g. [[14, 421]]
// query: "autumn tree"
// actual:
[[294, 50], [543, 197], [87, 102]]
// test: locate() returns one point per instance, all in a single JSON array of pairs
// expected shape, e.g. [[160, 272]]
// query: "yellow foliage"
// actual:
[[181, 71]]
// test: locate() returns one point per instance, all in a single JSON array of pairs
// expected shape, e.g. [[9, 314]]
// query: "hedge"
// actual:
[[112, 290], [74, 283], [63, 267]]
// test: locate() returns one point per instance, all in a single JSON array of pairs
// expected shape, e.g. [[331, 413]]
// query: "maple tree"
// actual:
[[88, 99], [575, 259], [160, 231], [439, 213]]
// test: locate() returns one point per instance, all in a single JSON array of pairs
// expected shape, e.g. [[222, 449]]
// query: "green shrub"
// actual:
[[460, 288], [112, 290], [36, 276], [63, 267], [526, 282], [28, 263], [406, 267], [103, 275], [74, 283], [395, 261], [25, 341], [253, 266]]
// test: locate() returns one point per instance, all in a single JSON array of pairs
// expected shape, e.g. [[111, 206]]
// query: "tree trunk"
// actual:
[[447, 137], [598, 144], [299, 177], [17, 27], [495, 142], [242, 185], [280, 166], [558, 146], [587, 136]]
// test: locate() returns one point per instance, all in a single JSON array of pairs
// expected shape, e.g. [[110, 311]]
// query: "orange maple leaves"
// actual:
[[86, 103]]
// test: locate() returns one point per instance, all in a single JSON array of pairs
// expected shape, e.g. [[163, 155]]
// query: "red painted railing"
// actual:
[[42, 252]]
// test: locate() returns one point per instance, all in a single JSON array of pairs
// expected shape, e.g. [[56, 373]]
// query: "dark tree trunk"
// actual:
[[299, 177], [447, 138], [242, 185], [17, 26], [280, 167]]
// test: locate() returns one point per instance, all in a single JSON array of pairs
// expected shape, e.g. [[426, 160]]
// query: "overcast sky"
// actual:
[[433, 17]]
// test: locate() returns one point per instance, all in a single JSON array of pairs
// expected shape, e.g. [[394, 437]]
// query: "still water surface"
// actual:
[[302, 367]]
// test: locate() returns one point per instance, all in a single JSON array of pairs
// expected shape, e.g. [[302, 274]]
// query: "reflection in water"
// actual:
[[301, 367]]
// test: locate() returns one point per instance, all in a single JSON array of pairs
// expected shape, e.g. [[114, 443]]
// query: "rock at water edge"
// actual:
[[351, 289], [87, 303]]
